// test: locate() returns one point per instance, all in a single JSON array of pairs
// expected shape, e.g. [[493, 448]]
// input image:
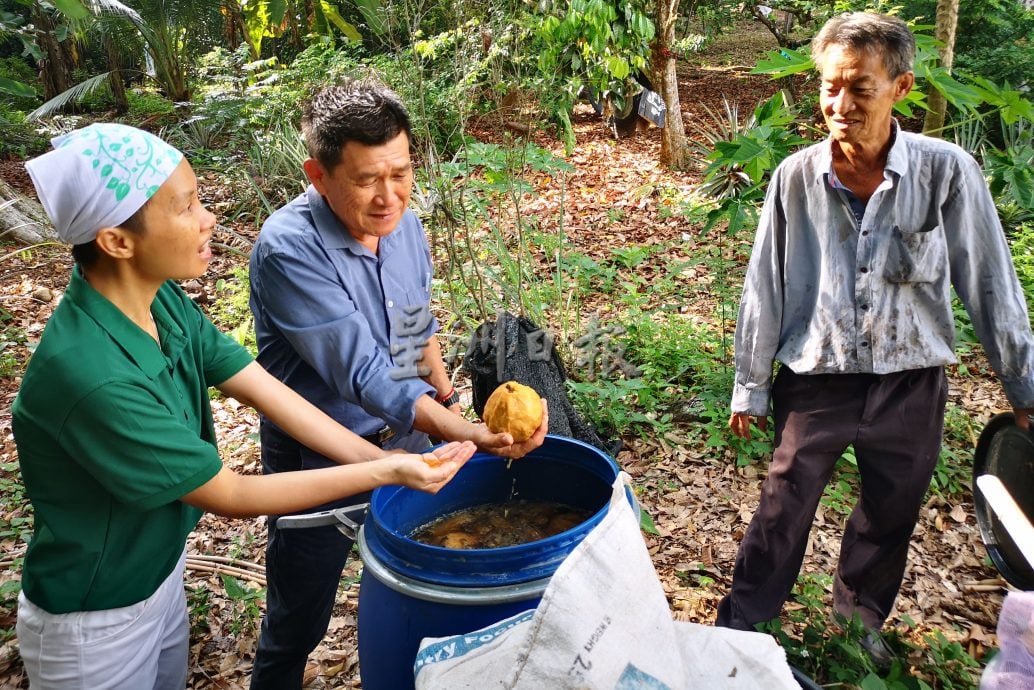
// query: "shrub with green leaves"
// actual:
[[994, 38], [826, 648], [18, 136], [16, 69], [601, 45], [438, 105], [742, 157], [145, 103], [230, 310], [1021, 242]]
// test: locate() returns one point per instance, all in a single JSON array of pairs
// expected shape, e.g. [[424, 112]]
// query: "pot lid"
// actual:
[[1007, 452]]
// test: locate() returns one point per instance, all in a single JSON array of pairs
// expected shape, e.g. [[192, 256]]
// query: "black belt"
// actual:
[[381, 436]]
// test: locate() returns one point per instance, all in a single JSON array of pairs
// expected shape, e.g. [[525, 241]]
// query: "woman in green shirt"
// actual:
[[114, 429]]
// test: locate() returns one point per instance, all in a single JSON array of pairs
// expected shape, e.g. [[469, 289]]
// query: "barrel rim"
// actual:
[[446, 594], [427, 563]]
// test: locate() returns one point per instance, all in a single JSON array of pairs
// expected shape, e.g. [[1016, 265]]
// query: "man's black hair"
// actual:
[[364, 111]]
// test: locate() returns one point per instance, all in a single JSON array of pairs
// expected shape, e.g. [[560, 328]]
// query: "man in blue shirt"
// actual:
[[340, 290], [859, 244]]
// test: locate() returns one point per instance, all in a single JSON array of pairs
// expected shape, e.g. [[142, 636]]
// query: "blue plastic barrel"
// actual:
[[411, 590]]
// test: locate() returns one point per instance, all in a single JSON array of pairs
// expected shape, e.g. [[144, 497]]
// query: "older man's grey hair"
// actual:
[[882, 34], [365, 111]]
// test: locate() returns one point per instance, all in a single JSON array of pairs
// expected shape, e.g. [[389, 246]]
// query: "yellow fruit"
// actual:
[[431, 460], [515, 409]]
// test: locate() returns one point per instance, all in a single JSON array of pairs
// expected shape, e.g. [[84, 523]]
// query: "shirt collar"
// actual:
[[134, 341], [897, 157], [335, 235]]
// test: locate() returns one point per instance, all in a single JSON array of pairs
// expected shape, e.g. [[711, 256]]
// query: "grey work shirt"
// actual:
[[333, 319], [827, 294]]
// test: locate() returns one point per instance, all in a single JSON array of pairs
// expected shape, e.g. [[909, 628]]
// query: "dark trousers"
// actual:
[[895, 423], [303, 570]]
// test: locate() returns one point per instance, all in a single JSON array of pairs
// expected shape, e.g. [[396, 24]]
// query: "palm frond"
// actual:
[[117, 8], [73, 94]]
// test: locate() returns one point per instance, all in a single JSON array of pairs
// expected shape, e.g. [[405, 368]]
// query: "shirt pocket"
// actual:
[[411, 317], [914, 256]]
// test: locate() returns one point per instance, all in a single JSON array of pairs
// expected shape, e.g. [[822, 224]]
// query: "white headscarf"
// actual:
[[98, 176]]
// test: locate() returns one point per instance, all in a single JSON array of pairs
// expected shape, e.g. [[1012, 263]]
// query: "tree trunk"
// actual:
[[292, 22], [56, 73], [228, 10], [118, 86], [24, 220], [308, 12], [947, 21], [675, 153]]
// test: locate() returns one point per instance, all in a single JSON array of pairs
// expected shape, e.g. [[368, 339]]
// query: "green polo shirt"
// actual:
[[111, 431]]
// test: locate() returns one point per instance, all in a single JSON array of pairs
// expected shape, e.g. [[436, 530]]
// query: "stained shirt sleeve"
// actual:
[[761, 309], [304, 299], [984, 278], [135, 447]]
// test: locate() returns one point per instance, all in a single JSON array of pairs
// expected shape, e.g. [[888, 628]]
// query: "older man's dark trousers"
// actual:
[[895, 422]]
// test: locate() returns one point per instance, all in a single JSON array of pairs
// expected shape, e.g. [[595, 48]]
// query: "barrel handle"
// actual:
[[347, 519]]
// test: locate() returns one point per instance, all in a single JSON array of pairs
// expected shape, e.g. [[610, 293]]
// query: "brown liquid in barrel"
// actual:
[[495, 525]]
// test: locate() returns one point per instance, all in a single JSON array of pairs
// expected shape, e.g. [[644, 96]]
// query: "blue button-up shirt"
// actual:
[[826, 293], [338, 323]]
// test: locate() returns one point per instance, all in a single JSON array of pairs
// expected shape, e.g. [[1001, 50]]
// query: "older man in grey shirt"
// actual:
[[860, 241]]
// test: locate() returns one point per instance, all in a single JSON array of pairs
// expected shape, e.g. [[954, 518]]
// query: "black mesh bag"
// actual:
[[512, 348]]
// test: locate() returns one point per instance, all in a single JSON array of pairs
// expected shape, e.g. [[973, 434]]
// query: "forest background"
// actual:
[[627, 243]]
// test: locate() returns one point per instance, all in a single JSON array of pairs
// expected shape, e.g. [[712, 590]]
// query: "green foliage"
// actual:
[[230, 309], [1022, 247], [274, 166], [841, 492], [741, 158], [1006, 149], [18, 136], [16, 77], [993, 38], [696, 577], [9, 591], [144, 104], [255, 95], [16, 526], [966, 338], [447, 77], [598, 44], [828, 651], [615, 407], [473, 205], [646, 522], [951, 665], [199, 606], [821, 652], [15, 510], [589, 275], [11, 337], [969, 93], [1011, 171], [244, 600], [761, 144], [953, 474]]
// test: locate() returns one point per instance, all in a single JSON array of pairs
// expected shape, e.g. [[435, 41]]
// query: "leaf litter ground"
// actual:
[[700, 500]]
